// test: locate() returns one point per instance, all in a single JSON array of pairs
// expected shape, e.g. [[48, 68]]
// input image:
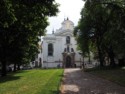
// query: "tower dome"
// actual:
[[67, 24]]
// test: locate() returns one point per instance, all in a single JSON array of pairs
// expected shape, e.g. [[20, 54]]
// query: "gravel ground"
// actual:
[[76, 81]]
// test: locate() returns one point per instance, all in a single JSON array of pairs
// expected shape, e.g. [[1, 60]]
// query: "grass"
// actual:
[[116, 75], [32, 82]]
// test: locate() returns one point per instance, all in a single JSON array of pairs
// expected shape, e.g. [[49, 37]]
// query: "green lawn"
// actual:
[[32, 82], [116, 75]]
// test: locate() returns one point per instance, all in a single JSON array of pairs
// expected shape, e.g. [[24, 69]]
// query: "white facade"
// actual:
[[59, 48]]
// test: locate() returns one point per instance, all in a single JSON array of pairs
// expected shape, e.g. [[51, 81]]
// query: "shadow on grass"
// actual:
[[112, 74], [21, 71], [104, 68], [11, 76], [61, 75], [55, 92]]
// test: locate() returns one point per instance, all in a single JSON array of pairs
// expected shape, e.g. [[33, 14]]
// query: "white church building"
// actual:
[[59, 49]]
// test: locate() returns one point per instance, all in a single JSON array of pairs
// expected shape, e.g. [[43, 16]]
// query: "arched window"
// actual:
[[50, 49], [68, 40]]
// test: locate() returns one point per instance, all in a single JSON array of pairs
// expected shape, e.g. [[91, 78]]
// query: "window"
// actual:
[[64, 49], [50, 49], [68, 40], [72, 50], [40, 60]]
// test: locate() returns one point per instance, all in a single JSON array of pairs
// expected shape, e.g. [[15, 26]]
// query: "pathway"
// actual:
[[76, 81]]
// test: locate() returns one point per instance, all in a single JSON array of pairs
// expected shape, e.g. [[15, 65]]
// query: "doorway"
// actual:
[[68, 62]]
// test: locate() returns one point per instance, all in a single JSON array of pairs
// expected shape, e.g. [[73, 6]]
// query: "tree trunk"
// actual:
[[14, 67], [100, 54], [89, 59], [4, 71], [111, 56], [18, 67], [100, 58]]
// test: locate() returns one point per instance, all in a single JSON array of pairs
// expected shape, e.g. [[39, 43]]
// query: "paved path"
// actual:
[[78, 82]]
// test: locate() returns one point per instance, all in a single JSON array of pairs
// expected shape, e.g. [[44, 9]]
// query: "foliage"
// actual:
[[25, 21], [101, 28]]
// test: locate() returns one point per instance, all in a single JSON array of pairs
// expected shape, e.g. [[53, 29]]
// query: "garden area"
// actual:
[[37, 81], [116, 75]]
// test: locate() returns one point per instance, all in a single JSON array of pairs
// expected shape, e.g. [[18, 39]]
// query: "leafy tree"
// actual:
[[25, 21], [100, 24]]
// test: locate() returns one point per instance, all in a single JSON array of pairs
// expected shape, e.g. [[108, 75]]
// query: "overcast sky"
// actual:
[[68, 8]]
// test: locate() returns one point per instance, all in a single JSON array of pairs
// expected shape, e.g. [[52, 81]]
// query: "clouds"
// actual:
[[68, 8]]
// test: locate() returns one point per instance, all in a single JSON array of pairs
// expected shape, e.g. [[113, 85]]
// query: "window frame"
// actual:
[[50, 49]]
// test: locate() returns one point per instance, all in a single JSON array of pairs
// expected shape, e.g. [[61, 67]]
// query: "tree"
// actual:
[[100, 23], [26, 20]]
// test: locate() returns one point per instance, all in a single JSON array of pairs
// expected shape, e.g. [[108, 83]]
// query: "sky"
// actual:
[[67, 8]]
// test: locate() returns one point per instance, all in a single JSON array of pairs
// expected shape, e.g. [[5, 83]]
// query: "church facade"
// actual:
[[59, 49]]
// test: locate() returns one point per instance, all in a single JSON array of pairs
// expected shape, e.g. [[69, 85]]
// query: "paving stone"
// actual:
[[76, 81]]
